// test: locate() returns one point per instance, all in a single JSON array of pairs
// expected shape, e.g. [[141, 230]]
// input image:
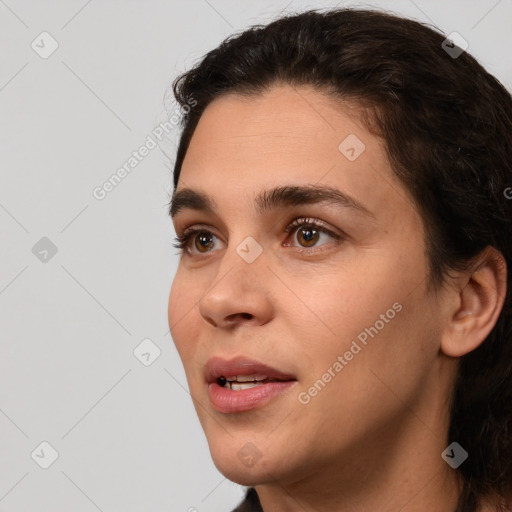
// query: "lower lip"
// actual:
[[227, 400]]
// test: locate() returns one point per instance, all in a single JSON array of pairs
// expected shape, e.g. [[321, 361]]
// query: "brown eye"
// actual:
[[203, 240], [196, 241], [307, 233], [307, 236]]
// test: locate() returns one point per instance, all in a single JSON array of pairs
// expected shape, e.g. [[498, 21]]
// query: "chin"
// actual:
[[241, 477], [246, 465]]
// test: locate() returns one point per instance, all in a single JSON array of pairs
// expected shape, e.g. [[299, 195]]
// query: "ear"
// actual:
[[478, 298]]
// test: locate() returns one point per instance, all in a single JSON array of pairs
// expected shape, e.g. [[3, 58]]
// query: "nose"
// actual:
[[239, 293]]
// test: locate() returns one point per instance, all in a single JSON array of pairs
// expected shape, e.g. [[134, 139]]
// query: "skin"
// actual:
[[372, 438]]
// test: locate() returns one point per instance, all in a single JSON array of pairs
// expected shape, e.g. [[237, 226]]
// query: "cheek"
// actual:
[[334, 308], [370, 316], [174, 303], [180, 313], [384, 361]]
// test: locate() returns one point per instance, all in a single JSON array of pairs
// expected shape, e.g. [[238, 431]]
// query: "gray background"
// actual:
[[126, 433]]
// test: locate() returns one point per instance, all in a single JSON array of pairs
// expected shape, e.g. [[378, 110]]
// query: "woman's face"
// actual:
[[340, 311]]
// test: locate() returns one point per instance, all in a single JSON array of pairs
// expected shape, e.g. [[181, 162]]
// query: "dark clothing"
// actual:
[[251, 502]]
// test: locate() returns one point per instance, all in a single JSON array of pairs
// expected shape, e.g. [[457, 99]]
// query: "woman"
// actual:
[[342, 304]]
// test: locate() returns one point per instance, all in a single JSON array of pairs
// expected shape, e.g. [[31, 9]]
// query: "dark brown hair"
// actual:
[[447, 126]]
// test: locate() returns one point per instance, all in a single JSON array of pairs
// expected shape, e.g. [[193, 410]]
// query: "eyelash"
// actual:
[[182, 242]]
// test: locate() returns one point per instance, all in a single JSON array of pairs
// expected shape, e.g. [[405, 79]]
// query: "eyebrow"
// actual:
[[282, 196]]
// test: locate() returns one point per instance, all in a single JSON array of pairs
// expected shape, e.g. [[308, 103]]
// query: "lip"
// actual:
[[226, 400]]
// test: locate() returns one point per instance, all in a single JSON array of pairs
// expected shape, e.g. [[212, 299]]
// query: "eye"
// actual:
[[202, 238], [309, 232]]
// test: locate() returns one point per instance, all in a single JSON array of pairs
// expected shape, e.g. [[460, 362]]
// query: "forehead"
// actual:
[[243, 144], [294, 122]]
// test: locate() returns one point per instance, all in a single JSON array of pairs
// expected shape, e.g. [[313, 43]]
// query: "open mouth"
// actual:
[[241, 382]]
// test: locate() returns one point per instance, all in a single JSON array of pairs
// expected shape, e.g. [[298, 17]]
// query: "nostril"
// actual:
[[246, 316]]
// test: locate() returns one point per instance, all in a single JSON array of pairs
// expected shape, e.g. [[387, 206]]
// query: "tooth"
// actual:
[[250, 378], [246, 385], [246, 378]]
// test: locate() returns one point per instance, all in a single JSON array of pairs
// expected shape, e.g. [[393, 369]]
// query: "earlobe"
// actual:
[[478, 303]]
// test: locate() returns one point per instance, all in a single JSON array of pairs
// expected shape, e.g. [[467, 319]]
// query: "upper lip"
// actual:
[[218, 367]]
